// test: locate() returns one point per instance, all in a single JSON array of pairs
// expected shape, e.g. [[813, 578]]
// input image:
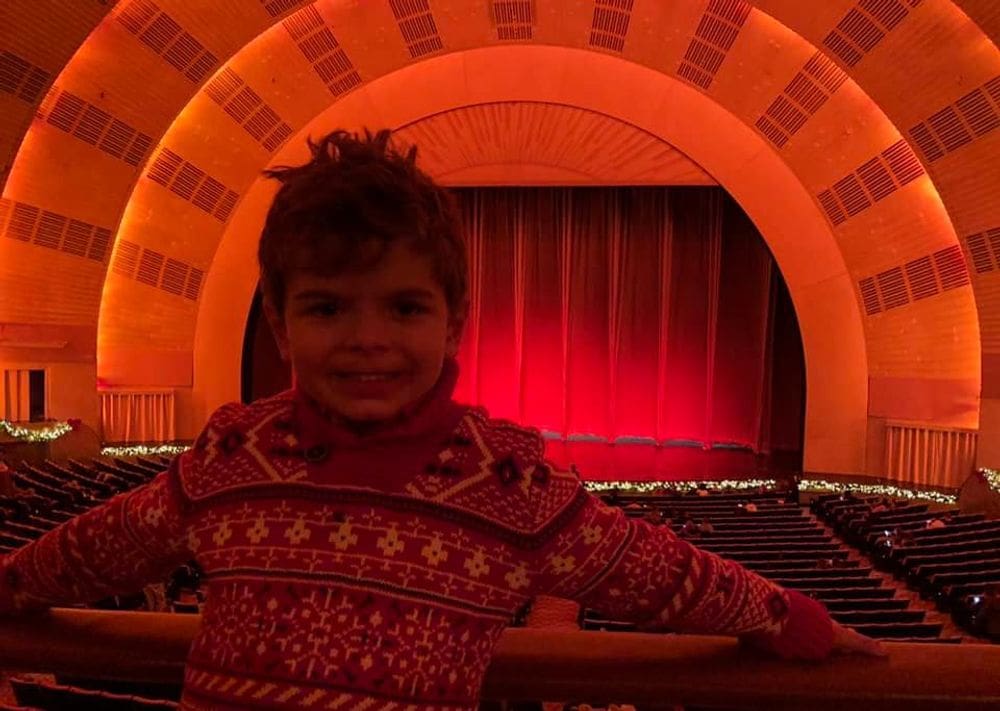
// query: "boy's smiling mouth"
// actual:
[[367, 376]]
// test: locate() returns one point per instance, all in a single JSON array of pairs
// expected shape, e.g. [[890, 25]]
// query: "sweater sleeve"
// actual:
[[135, 538], [629, 570]]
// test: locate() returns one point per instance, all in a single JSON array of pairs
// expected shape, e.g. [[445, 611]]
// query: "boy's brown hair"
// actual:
[[344, 208]]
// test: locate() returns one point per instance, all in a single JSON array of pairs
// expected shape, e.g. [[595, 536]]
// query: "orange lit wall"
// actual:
[[866, 157]]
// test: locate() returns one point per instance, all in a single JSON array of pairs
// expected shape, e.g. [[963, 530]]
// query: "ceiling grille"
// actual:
[[21, 78], [513, 19], [715, 34], [193, 184], [417, 26], [320, 48], [164, 35], [916, 280], [248, 109], [804, 95], [863, 27], [971, 117], [98, 128], [152, 268], [609, 24], [874, 180], [43, 228]]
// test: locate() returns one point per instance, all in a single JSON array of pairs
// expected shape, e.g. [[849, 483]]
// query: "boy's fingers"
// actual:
[[849, 641]]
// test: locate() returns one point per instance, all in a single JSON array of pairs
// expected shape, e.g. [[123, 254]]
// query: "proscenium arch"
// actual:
[[904, 79], [798, 235]]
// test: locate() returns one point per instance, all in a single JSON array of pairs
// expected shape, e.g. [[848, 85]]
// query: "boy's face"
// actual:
[[367, 344]]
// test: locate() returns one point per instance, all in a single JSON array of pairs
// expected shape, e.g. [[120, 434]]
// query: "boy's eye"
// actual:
[[324, 309], [410, 308]]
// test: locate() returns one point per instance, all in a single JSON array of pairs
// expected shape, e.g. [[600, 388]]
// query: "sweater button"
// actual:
[[317, 453]]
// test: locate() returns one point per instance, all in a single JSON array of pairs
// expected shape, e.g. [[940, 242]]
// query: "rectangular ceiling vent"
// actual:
[[863, 27], [983, 247], [96, 127], [609, 24], [248, 109], [277, 8], [920, 278], [126, 258], [328, 59], [951, 267], [513, 19], [971, 117], [192, 184], [874, 180], [869, 296], [21, 78], [892, 288], [714, 36], [152, 268], [29, 223], [164, 35], [417, 26]]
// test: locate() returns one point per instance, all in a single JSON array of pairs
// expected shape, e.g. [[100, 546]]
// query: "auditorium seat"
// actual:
[[861, 605], [58, 697], [910, 630], [881, 617], [796, 564], [786, 544]]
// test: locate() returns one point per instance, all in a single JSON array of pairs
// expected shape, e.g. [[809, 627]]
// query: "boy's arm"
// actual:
[[630, 570], [134, 538]]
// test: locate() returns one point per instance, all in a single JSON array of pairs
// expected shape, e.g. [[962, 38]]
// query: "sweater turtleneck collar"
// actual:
[[435, 414]]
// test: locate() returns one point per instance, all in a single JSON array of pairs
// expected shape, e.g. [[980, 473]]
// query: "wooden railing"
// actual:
[[592, 666]]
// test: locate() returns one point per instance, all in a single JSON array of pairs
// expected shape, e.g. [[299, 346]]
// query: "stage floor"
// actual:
[[632, 462]]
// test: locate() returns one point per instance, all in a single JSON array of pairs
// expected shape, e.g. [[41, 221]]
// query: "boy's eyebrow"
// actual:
[[315, 294], [414, 292]]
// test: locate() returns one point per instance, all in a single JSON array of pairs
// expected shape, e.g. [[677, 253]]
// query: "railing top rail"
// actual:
[[568, 666]]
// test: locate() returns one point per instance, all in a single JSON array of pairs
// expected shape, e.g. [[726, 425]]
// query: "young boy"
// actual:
[[364, 539]]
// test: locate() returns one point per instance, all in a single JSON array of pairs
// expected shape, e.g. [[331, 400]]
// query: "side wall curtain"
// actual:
[[919, 454], [16, 395], [131, 417]]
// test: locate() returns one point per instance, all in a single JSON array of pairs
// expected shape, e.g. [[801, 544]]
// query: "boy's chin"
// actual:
[[368, 414]]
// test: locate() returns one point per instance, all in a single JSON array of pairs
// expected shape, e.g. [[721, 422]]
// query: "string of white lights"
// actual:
[[648, 487], [811, 485], [42, 433], [139, 450]]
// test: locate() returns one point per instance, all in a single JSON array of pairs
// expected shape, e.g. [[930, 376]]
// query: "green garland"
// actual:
[[812, 485], [992, 477], [828, 487], [41, 434], [141, 450], [680, 487]]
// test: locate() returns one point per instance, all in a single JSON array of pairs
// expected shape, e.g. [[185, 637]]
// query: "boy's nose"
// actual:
[[367, 331]]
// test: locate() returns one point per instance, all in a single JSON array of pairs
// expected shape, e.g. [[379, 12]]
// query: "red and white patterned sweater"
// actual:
[[377, 572]]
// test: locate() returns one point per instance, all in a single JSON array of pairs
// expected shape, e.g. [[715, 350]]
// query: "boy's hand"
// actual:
[[847, 641]]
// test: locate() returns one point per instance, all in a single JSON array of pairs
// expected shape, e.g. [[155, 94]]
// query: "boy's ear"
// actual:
[[454, 338], [277, 324]]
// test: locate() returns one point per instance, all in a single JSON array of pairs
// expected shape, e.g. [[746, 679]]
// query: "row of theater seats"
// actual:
[[48, 494], [783, 542], [52, 492], [957, 565]]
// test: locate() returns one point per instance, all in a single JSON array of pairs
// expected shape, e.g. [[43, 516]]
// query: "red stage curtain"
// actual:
[[648, 312]]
